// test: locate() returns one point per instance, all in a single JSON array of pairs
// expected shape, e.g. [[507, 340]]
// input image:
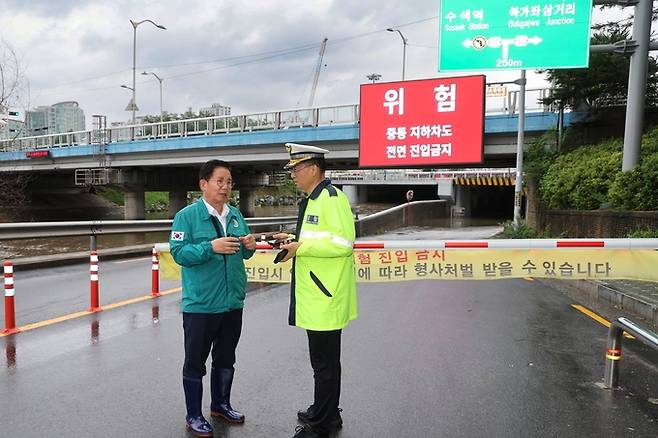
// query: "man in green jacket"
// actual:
[[210, 240], [323, 286]]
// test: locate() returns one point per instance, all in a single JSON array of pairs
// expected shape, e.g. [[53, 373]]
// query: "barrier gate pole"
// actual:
[[10, 311]]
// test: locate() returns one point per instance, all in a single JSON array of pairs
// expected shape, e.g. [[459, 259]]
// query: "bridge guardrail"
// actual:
[[268, 120], [613, 347], [28, 230]]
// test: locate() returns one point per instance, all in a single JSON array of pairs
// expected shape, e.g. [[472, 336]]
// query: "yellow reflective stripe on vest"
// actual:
[[338, 240]]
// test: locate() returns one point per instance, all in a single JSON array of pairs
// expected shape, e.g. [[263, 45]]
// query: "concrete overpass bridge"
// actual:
[[165, 156]]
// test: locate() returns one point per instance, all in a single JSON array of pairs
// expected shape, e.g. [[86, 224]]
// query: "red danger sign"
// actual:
[[425, 123]]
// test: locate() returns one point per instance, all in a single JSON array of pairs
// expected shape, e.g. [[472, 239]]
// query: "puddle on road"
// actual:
[[67, 337]]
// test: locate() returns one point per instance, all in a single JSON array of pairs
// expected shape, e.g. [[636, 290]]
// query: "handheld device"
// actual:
[[280, 255], [276, 244]]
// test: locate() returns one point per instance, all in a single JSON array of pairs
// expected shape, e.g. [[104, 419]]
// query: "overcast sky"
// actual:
[[250, 55]]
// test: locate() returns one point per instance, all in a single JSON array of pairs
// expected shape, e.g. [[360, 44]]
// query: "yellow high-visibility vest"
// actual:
[[323, 286]]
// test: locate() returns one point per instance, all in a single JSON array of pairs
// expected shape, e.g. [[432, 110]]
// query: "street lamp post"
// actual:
[[135, 24], [404, 48], [160, 81]]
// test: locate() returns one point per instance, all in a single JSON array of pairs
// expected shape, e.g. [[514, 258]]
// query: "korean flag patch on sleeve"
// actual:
[[177, 235]]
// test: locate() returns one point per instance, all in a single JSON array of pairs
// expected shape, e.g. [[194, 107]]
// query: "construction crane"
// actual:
[[316, 77]]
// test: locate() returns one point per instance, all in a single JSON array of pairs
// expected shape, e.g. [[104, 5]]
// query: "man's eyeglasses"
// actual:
[[296, 169], [222, 182]]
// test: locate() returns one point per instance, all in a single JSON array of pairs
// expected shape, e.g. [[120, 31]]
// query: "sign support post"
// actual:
[[518, 185], [637, 85]]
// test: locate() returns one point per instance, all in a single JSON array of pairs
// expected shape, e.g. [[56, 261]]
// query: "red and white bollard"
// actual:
[[155, 274], [10, 312], [93, 266]]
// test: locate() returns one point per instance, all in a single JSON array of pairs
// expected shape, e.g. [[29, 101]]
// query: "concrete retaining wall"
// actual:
[[587, 223], [597, 223], [419, 213]]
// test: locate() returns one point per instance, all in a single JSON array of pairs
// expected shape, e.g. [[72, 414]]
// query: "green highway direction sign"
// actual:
[[513, 34]]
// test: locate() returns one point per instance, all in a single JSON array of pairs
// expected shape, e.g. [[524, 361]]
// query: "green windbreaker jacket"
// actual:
[[212, 283]]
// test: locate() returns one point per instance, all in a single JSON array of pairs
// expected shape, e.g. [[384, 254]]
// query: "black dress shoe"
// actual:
[[306, 417], [306, 431]]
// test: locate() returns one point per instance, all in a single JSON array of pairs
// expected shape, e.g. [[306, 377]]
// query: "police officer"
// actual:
[[323, 286], [210, 239]]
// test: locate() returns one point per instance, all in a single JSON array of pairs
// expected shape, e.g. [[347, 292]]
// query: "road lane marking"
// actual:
[[596, 317], [82, 313], [63, 318]]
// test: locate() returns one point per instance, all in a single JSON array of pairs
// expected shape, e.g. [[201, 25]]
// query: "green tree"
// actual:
[[538, 158], [604, 83], [166, 117], [13, 86], [623, 24]]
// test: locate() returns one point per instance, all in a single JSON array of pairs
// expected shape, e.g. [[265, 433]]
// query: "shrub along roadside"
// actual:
[[644, 234], [590, 177], [524, 231], [581, 178]]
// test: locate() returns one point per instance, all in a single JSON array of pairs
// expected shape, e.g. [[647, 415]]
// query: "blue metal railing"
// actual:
[[251, 122]]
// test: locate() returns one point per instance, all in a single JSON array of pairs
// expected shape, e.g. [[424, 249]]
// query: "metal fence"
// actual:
[[251, 122], [28, 230]]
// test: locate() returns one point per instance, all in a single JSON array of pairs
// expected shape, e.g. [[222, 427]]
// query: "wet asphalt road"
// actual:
[[45, 293], [425, 359]]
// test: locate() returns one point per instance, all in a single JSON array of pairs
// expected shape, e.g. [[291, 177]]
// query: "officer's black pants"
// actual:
[[324, 349], [221, 331]]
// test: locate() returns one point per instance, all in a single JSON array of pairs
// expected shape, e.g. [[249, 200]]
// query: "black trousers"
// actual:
[[324, 349], [221, 331]]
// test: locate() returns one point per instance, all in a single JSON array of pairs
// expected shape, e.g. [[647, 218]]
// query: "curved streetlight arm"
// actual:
[[160, 81], [152, 73], [137, 23], [404, 48], [404, 40]]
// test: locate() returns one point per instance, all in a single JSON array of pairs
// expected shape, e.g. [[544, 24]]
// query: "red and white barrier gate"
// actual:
[[155, 274], [612, 243], [10, 312], [93, 266]]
